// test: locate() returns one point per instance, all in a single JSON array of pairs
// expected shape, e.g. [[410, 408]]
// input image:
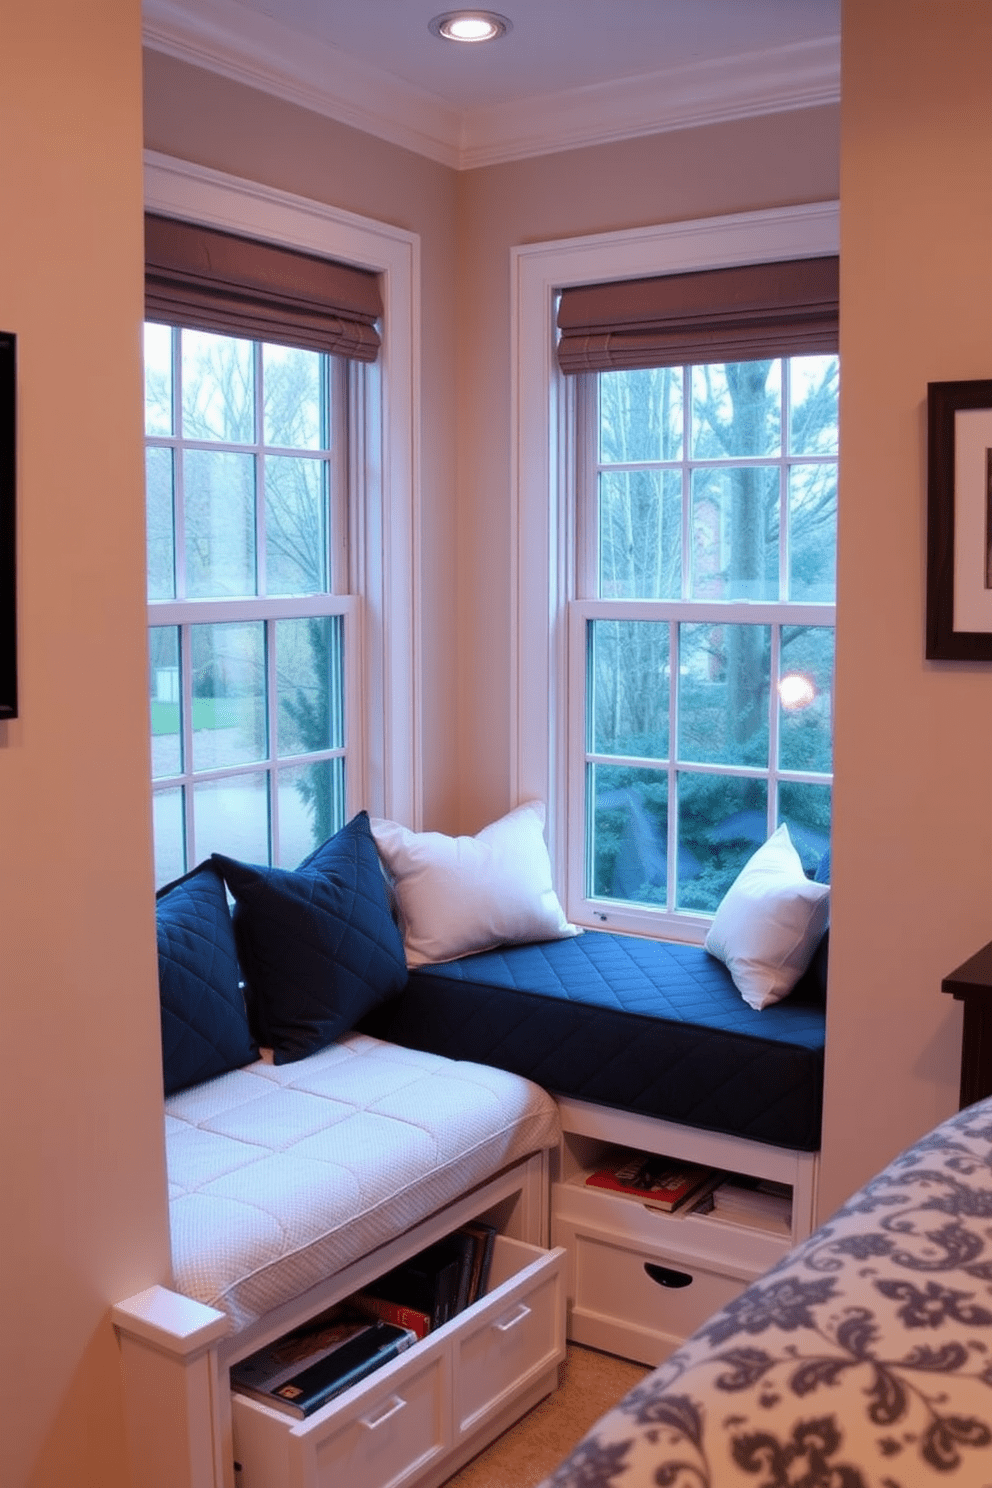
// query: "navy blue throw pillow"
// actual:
[[815, 978], [204, 1023], [318, 946]]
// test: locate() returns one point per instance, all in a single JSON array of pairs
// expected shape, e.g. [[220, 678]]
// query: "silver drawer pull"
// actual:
[[523, 1311], [390, 1408]]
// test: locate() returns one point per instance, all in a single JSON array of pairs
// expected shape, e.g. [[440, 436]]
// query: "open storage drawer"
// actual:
[[436, 1404]]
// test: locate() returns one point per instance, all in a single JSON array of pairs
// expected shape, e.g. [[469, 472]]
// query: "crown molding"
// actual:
[[803, 75], [257, 50]]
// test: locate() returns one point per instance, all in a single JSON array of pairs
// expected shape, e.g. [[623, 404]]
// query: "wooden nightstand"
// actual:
[[971, 984]]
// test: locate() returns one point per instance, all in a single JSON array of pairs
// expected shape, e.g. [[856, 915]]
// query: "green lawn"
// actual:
[[208, 713]]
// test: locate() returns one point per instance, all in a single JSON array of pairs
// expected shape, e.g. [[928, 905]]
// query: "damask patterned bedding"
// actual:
[[862, 1360]]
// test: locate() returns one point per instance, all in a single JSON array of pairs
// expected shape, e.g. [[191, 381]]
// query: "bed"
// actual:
[[863, 1358]]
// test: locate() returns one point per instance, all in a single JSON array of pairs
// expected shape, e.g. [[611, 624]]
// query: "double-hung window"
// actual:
[[253, 623], [700, 635]]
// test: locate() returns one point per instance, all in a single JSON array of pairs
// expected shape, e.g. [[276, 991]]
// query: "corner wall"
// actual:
[[84, 1200], [912, 858]]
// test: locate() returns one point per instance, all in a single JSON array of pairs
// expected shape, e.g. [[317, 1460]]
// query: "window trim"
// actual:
[[386, 521], [542, 410]]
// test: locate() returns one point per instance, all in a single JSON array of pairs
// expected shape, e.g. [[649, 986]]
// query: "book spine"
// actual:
[[446, 1292], [467, 1248], [489, 1245], [395, 1312]]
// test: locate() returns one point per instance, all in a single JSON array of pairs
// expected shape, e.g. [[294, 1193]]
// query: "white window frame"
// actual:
[[385, 776], [544, 557]]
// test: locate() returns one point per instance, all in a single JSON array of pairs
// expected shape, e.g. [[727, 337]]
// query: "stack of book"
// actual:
[[433, 1287], [754, 1201], [659, 1182], [305, 1369]]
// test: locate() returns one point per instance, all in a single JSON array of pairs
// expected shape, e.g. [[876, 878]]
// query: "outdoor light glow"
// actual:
[[796, 691], [469, 25]]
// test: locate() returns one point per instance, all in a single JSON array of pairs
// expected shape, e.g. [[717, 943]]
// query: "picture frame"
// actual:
[[8, 527], [959, 521]]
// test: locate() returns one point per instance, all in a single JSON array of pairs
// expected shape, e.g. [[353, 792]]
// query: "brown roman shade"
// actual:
[[215, 281], [719, 315]]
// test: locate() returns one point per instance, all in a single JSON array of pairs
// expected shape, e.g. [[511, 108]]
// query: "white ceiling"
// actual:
[[569, 73]]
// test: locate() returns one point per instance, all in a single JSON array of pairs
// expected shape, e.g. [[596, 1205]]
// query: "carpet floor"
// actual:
[[528, 1451]]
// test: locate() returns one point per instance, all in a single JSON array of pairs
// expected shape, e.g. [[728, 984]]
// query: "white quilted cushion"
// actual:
[[280, 1175]]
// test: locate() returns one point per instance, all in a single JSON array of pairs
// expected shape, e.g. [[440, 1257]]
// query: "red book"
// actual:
[[661, 1182], [393, 1312]]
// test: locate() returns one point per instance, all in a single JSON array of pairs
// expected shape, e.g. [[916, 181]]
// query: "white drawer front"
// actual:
[[511, 1337], [634, 1298], [393, 1436], [380, 1434]]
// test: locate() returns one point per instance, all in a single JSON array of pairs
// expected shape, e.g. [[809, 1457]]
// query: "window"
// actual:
[[384, 748], [252, 630], [548, 725], [701, 634]]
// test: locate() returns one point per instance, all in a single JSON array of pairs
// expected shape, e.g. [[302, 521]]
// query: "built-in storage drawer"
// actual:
[[640, 1280], [419, 1408], [510, 1337], [635, 1299]]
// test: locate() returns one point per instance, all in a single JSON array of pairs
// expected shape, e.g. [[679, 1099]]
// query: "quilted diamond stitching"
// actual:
[[318, 945], [638, 1024], [204, 1024]]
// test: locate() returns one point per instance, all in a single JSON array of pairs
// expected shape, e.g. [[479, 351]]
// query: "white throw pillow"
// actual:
[[457, 895], [769, 922]]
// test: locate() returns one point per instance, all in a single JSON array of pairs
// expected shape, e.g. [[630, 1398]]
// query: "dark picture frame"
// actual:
[[8, 529], [959, 521]]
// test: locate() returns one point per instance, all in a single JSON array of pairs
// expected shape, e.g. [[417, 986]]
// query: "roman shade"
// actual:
[[716, 315], [215, 281]]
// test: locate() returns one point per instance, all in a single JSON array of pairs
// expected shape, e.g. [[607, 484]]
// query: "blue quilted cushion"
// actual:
[[318, 945], [204, 1023]]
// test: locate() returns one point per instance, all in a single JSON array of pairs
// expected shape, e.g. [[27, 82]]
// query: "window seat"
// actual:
[[294, 1186], [648, 1047], [646, 1026]]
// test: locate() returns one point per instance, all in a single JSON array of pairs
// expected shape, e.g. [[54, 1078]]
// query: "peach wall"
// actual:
[[206, 119], [744, 166], [84, 1214], [913, 801]]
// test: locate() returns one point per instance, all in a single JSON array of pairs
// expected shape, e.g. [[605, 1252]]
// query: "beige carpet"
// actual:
[[525, 1454]]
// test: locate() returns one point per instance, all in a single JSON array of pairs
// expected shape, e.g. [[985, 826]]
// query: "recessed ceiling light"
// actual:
[[470, 25]]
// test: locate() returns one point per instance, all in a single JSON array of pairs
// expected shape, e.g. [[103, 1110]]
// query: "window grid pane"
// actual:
[[741, 478], [240, 509], [722, 780], [744, 709]]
